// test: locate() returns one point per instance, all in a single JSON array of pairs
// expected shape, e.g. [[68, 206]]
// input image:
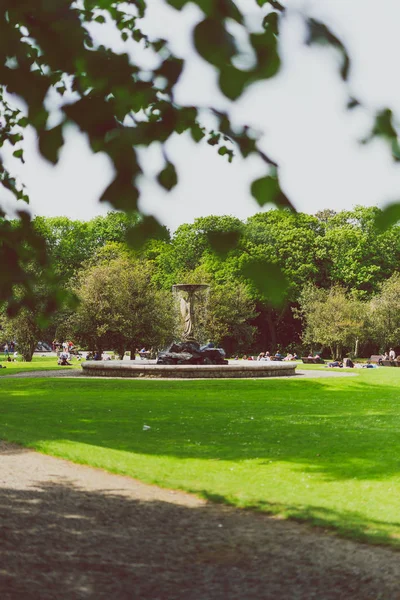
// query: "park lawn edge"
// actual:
[[279, 510]]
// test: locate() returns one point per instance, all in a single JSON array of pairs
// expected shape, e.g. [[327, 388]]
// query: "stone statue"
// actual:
[[187, 316], [187, 302]]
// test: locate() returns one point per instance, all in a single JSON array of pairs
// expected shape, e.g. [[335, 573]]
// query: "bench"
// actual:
[[312, 361], [375, 358], [390, 363]]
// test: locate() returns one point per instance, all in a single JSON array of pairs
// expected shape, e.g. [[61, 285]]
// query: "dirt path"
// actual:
[[72, 532]]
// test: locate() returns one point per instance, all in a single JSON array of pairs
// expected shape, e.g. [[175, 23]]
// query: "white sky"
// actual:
[[307, 129]]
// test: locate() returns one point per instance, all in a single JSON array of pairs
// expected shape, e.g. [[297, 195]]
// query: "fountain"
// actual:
[[189, 351], [187, 359]]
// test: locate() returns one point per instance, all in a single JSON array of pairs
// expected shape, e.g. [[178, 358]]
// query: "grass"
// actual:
[[39, 363], [322, 450]]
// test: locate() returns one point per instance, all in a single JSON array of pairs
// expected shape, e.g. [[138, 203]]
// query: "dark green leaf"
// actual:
[[121, 194], [50, 143], [168, 177], [148, 228], [268, 279], [352, 103], [223, 241], [213, 42], [232, 81], [19, 154], [267, 190], [319, 33]]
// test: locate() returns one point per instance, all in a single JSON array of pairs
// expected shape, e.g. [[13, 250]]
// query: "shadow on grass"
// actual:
[[341, 431], [59, 541], [347, 524]]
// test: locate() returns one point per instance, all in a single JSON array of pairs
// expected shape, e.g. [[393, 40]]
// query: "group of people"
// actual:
[[9, 351], [346, 363], [276, 356], [64, 350], [391, 355]]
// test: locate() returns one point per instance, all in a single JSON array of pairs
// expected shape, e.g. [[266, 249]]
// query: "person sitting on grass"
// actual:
[[335, 363], [348, 363], [63, 359], [383, 357]]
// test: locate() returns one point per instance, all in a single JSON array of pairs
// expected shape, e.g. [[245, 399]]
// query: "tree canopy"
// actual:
[[344, 292]]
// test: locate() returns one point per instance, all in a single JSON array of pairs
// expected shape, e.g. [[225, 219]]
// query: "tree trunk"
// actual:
[[133, 353], [272, 332], [120, 352], [27, 351]]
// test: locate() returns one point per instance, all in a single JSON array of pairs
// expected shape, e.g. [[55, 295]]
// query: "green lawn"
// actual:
[[323, 450], [39, 363]]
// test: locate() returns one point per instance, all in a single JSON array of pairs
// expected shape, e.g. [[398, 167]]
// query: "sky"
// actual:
[[301, 114]]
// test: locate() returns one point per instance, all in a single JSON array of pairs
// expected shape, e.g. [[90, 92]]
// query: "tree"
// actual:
[[355, 253], [27, 325], [332, 318], [25, 330], [47, 52], [120, 308], [70, 243], [385, 318]]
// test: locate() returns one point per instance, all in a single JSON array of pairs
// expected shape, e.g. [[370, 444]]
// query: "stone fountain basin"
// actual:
[[236, 370]]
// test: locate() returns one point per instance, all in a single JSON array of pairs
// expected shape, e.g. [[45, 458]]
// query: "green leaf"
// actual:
[[50, 143], [171, 69], [232, 81], [389, 216], [214, 138], [213, 42], [267, 189], [223, 241], [268, 279], [122, 194], [23, 122], [19, 154], [197, 132], [318, 33], [271, 22], [168, 177], [266, 48], [383, 124], [273, 3], [352, 103], [148, 228]]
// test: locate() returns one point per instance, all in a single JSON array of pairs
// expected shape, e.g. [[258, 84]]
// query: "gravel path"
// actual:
[[73, 532]]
